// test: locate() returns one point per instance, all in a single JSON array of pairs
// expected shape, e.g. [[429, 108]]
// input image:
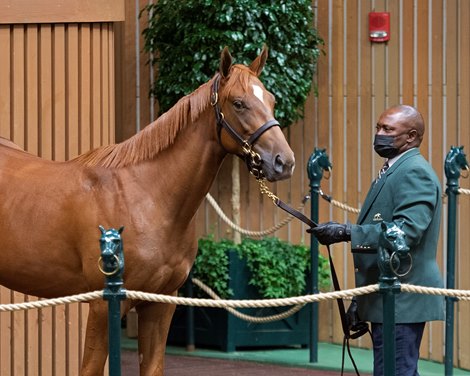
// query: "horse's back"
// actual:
[[9, 143]]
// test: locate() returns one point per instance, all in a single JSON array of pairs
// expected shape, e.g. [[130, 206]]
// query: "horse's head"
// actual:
[[245, 119], [392, 236], [111, 250], [393, 252], [317, 163], [456, 160]]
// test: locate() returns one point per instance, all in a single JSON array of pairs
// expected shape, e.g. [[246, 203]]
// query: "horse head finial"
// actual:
[[111, 262], [393, 250], [317, 164], [455, 161]]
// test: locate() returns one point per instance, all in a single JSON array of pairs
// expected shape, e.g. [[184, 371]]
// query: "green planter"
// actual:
[[215, 327]]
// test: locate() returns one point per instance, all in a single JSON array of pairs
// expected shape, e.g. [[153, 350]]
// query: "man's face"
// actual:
[[393, 124]]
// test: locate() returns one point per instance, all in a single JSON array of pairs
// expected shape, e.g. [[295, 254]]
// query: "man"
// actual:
[[408, 190]]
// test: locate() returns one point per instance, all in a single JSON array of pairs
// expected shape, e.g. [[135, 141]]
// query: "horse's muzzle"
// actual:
[[280, 167]]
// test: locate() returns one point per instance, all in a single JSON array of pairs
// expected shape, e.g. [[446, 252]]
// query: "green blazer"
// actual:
[[409, 190]]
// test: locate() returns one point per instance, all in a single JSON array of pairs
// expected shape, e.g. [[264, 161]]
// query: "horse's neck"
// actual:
[[186, 170]]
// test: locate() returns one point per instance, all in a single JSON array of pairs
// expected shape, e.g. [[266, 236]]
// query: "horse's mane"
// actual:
[[160, 134]]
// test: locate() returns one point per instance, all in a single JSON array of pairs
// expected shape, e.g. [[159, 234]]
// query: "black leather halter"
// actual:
[[252, 159]]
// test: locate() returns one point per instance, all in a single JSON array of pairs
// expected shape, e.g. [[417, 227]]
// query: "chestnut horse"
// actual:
[[152, 184]]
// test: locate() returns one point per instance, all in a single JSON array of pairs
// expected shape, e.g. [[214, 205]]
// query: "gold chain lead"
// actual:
[[265, 190]]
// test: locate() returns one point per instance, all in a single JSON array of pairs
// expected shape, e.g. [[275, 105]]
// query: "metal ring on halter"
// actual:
[[214, 98], [105, 272], [395, 271], [256, 159]]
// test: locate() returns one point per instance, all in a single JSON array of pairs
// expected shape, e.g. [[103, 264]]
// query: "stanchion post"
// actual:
[[455, 161], [317, 163], [389, 285], [111, 264]]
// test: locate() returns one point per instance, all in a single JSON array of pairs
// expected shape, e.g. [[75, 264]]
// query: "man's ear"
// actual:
[[412, 136]]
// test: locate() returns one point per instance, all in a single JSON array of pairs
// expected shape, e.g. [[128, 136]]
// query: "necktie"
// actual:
[[383, 170]]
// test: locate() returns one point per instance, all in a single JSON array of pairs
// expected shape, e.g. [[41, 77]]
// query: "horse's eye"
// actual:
[[238, 104]]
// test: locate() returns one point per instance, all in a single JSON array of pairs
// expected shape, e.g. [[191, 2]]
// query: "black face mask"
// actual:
[[383, 146]]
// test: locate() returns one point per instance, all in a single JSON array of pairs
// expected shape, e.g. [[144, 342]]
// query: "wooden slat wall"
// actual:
[[56, 101], [425, 64]]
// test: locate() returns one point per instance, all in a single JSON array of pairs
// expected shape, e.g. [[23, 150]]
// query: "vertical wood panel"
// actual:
[[72, 91], [5, 333], [434, 132], [407, 48], [18, 82], [49, 106], [96, 101], [45, 94], [85, 99], [32, 89], [5, 87], [337, 134], [393, 54], [464, 219]]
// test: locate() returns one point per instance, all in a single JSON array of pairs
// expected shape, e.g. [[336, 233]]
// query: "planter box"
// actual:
[[215, 327]]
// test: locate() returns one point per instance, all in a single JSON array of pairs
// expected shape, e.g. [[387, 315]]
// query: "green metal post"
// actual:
[[112, 266], [455, 161], [317, 163], [389, 286]]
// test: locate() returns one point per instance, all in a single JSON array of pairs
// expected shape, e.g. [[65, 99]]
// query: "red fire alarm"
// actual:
[[379, 26]]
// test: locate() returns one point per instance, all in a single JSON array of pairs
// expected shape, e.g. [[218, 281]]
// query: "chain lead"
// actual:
[[265, 190]]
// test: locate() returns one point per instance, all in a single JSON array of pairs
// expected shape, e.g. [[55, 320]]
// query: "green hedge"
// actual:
[[188, 36]]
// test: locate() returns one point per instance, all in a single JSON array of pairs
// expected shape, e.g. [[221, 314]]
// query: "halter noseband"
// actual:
[[252, 159]]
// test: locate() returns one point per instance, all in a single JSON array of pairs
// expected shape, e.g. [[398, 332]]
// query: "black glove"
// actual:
[[331, 232]]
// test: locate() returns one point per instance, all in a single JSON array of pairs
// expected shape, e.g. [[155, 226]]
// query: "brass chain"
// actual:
[[265, 190]]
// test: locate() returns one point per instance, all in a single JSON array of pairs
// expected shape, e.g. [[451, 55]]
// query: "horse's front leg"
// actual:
[[96, 340], [154, 323]]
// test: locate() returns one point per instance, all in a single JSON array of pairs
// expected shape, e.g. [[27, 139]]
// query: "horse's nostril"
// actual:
[[279, 164]]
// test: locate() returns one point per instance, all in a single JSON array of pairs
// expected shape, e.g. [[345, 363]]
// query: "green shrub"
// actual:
[[278, 268], [187, 37]]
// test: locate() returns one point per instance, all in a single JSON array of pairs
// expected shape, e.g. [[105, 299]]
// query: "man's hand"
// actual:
[[331, 232]]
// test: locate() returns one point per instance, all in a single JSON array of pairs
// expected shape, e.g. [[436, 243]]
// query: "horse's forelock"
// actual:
[[241, 76]]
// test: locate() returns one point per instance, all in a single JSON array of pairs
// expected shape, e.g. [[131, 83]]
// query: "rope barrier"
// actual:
[[257, 234], [463, 295], [246, 317], [464, 191], [51, 302]]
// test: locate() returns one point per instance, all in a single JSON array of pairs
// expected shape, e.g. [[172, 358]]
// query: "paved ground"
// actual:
[[176, 365]]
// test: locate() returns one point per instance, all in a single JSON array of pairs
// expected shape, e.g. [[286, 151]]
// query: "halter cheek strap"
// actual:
[[251, 158]]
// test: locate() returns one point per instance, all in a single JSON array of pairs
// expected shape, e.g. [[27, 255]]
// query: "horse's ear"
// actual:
[[103, 231], [258, 64], [121, 229], [225, 63], [400, 222]]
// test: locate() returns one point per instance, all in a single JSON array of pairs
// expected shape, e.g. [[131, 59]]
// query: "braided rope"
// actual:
[[453, 293], [243, 316], [344, 206], [243, 231], [464, 191], [138, 295], [51, 302]]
